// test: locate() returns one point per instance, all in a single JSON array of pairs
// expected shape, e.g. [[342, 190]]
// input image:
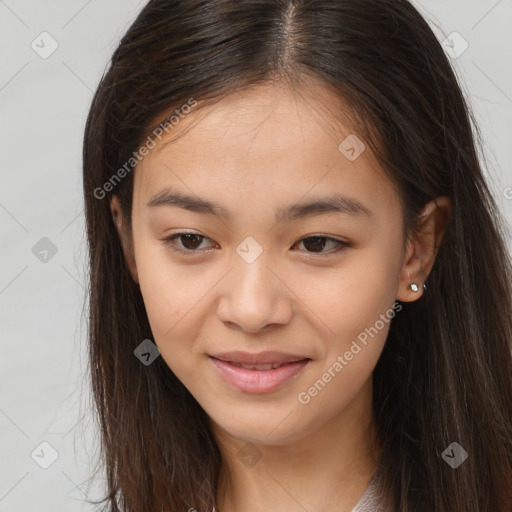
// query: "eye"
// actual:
[[184, 242], [316, 244], [190, 243]]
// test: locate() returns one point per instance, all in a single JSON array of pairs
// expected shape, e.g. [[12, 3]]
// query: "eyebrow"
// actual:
[[329, 204]]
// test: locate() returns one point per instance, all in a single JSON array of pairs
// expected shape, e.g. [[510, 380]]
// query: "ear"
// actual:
[[422, 247], [117, 217]]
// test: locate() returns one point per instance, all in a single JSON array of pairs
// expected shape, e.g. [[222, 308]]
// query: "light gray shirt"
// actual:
[[369, 501]]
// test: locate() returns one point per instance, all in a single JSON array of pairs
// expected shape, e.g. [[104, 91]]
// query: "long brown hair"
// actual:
[[445, 373]]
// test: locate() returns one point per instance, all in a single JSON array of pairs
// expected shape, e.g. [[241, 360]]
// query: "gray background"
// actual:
[[44, 394]]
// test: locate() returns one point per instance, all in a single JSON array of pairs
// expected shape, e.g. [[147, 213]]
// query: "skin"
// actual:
[[253, 152]]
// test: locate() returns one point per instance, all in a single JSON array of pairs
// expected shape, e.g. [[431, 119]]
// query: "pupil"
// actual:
[[187, 237], [313, 244], [318, 242]]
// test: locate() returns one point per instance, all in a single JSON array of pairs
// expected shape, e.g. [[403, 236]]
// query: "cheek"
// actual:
[[361, 324], [173, 308], [172, 296], [352, 298], [358, 305]]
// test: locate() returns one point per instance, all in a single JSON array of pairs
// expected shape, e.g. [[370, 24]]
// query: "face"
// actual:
[[299, 251]]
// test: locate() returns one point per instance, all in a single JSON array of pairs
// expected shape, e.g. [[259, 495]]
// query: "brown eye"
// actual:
[[190, 241], [185, 242], [317, 244]]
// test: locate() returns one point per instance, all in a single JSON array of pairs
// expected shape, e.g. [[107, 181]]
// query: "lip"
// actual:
[[258, 381], [269, 356]]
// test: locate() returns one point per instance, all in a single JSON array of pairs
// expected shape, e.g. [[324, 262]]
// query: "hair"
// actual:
[[445, 372]]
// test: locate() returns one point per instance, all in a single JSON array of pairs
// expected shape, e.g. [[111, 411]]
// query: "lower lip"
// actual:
[[258, 381]]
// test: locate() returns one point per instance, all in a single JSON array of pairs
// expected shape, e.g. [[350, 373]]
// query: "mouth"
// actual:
[[265, 366], [259, 378]]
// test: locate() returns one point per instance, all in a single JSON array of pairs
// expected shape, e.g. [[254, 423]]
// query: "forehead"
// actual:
[[268, 139]]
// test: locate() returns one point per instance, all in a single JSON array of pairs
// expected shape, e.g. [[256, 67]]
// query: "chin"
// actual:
[[269, 424]]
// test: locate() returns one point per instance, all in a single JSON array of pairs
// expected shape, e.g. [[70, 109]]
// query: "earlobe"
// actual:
[[422, 249], [117, 218], [412, 275]]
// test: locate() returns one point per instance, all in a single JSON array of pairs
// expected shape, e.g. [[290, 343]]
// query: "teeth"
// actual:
[[266, 366]]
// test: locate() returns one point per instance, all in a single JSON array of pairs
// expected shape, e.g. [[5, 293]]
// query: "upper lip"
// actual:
[[259, 357]]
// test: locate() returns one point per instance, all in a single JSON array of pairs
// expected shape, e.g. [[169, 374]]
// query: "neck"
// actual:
[[337, 460]]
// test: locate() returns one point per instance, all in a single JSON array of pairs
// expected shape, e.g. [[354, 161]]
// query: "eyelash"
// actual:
[[171, 242]]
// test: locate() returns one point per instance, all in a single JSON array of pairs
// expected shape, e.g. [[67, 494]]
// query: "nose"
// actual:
[[254, 297]]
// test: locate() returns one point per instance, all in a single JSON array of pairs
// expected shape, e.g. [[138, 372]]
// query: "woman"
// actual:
[[300, 292]]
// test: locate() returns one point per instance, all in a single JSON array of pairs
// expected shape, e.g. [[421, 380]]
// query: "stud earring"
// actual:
[[414, 286]]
